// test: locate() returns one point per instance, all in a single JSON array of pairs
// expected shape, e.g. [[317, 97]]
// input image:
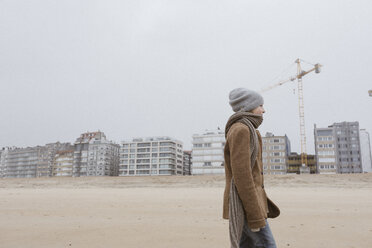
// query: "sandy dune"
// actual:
[[317, 211]]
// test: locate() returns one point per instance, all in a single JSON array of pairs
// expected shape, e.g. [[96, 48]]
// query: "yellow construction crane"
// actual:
[[298, 76]]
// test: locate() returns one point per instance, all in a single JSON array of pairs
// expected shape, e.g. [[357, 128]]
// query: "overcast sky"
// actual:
[[154, 68]]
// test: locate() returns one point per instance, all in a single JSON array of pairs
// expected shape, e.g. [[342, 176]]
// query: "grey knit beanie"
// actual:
[[242, 99]]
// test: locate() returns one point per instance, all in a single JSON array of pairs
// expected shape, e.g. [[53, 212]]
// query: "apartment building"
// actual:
[[29, 162], [1, 163], [63, 163], [151, 156], [275, 150], [46, 157], [94, 155], [325, 150], [208, 153], [187, 163], [337, 148], [365, 149], [20, 162]]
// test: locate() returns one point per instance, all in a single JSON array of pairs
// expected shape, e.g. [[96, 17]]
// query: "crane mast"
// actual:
[[301, 111]]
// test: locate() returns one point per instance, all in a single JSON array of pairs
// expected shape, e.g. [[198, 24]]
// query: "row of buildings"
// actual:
[[93, 155], [339, 148]]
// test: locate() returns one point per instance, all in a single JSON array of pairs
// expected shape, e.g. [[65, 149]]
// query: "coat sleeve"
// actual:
[[242, 174]]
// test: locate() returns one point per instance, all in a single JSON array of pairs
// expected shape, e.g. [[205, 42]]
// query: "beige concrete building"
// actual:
[[275, 150], [63, 162]]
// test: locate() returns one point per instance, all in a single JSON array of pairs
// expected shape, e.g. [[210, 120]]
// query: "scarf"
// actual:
[[236, 211], [253, 121]]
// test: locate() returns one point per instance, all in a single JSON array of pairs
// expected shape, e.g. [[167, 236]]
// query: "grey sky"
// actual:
[[151, 68]]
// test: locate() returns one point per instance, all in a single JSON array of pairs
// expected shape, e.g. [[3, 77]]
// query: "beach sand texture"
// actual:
[[179, 211]]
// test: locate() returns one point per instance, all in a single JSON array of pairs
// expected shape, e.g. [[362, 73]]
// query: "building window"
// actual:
[[143, 144], [207, 163], [277, 160], [325, 160], [276, 167], [276, 147]]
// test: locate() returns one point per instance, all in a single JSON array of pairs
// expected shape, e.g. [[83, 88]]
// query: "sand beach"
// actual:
[[178, 211]]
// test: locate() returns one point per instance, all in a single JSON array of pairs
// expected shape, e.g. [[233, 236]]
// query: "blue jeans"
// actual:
[[261, 239]]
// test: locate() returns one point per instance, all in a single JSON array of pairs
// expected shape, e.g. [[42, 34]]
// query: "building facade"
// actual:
[[151, 156], [94, 155], [63, 163], [20, 162], [31, 161], [325, 150], [208, 153], [365, 149], [275, 150], [187, 158], [337, 148], [2, 163], [294, 163]]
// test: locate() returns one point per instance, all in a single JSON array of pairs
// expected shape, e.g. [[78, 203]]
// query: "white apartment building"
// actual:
[[208, 153], [325, 150], [151, 156], [365, 149], [94, 155], [275, 151], [20, 162]]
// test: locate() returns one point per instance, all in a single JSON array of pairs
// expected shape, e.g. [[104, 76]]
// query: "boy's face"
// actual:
[[259, 110]]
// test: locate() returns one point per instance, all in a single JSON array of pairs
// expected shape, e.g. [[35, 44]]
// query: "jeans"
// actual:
[[261, 239]]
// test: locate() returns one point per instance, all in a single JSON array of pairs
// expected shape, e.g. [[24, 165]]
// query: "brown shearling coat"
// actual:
[[248, 180]]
